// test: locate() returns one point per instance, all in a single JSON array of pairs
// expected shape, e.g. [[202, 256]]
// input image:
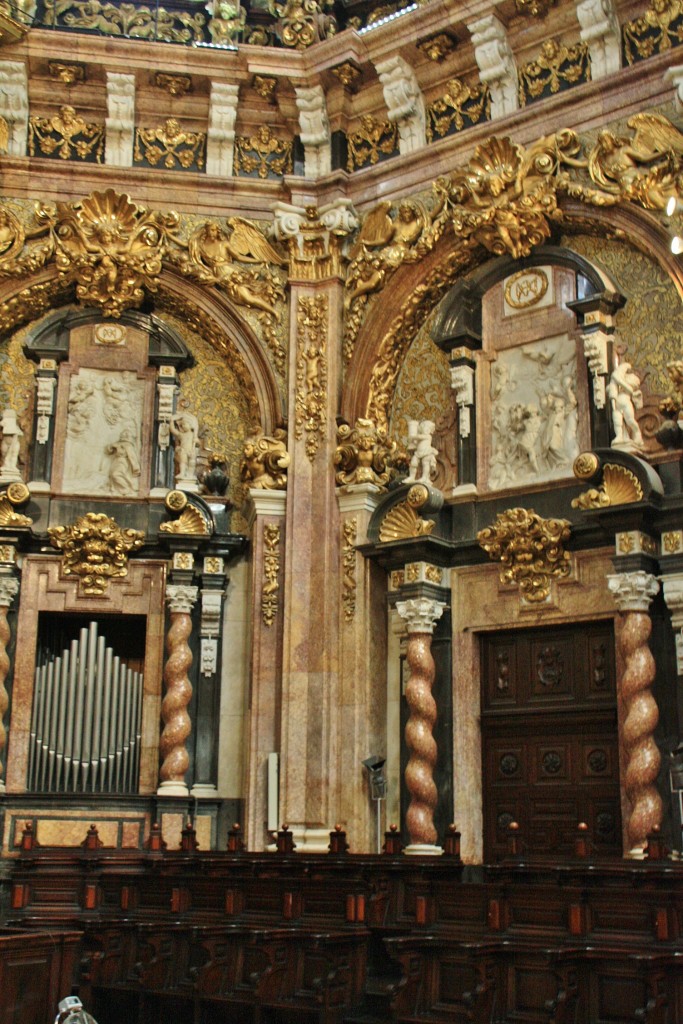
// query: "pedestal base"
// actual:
[[422, 850], [204, 791], [173, 789]]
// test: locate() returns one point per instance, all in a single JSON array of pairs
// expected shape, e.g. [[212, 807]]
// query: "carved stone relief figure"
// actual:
[[625, 396], [103, 443], [534, 413], [9, 447]]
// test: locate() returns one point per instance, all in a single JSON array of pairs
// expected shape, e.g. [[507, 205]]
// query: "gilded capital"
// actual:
[[633, 591], [180, 598], [421, 614]]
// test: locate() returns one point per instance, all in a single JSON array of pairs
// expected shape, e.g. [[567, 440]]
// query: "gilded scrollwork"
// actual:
[[555, 67], [363, 455], [311, 371], [263, 154], [656, 31], [95, 549], [349, 539], [459, 104], [126, 19], [530, 550], [372, 140], [169, 143], [304, 22], [271, 571], [66, 135], [265, 462]]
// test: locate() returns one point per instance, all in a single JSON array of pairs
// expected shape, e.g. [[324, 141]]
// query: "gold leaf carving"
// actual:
[[402, 522], [126, 19], [350, 532], [531, 550], [660, 28], [66, 135], [95, 548], [556, 65], [169, 143], [263, 154], [9, 517], [271, 569], [363, 454], [266, 461], [619, 487], [460, 103], [371, 140], [190, 521], [311, 370]]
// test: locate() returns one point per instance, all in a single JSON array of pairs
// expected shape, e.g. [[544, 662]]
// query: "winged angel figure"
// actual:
[[646, 168], [212, 255]]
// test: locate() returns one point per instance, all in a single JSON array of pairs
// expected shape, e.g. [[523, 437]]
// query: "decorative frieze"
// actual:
[[311, 370], [349, 539], [271, 572]]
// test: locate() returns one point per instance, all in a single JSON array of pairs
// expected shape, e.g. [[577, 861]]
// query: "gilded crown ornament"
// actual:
[[95, 549], [530, 548]]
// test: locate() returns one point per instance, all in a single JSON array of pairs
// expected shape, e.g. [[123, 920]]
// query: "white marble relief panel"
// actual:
[[103, 442], [533, 413]]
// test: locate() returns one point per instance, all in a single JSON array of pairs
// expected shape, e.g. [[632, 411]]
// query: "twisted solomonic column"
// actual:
[[177, 725], [633, 592], [421, 615], [9, 587]]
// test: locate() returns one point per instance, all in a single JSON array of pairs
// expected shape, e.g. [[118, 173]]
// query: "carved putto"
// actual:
[[265, 462], [363, 455], [530, 548], [95, 548]]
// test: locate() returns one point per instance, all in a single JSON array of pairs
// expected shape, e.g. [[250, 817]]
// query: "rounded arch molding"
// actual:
[[203, 310], [415, 290]]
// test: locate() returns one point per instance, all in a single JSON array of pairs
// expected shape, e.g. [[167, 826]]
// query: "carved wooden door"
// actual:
[[549, 737]]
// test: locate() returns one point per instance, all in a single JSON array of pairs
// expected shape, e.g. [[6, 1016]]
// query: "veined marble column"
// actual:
[[9, 587], [174, 714], [421, 615], [633, 592]]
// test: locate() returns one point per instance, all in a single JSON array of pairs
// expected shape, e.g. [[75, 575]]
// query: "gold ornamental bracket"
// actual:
[[400, 515], [530, 550], [192, 518], [616, 478], [13, 497], [95, 549]]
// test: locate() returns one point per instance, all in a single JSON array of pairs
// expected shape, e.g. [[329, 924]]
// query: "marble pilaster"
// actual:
[[265, 511], [363, 650], [633, 592]]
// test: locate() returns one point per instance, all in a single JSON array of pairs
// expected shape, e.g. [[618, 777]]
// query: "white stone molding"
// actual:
[[14, 104], [181, 598], [672, 588], [595, 351], [314, 131], [674, 77], [462, 382], [600, 30], [633, 591], [263, 503], [212, 604], [405, 102], [220, 137], [45, 390], [421, 614], [208, 655], [165, 398], [339, 217], [9, 588], [496, 63], [120, 119]]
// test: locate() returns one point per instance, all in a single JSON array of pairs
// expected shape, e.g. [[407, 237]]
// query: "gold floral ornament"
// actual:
[[263, 154], [660, 28], [363, 455], [66, 135], [312, 319], [555, 67], [226, 23], [271, 571], [170, 143], [372, 140], [531, 550], [266, 460], [111, 247], [138, 21], [95, 548], [460, 103]]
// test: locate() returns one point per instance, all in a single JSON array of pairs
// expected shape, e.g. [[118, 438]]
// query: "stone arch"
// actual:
[[398, 312]]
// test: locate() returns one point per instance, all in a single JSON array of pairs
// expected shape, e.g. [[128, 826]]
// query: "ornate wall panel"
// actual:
[[423, 389], [16, 375], [651, 322]]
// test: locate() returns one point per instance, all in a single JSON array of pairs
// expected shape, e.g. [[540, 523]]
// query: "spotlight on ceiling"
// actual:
[[677, 245]]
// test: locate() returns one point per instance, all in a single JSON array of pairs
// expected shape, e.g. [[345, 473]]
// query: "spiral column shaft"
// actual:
[[421, 615], [177, 725], [633, 593], [8, 588]]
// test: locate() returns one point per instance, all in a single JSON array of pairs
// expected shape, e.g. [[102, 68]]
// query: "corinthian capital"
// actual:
[[180, 599], [420, 613], [633, 591], [9, 588]]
